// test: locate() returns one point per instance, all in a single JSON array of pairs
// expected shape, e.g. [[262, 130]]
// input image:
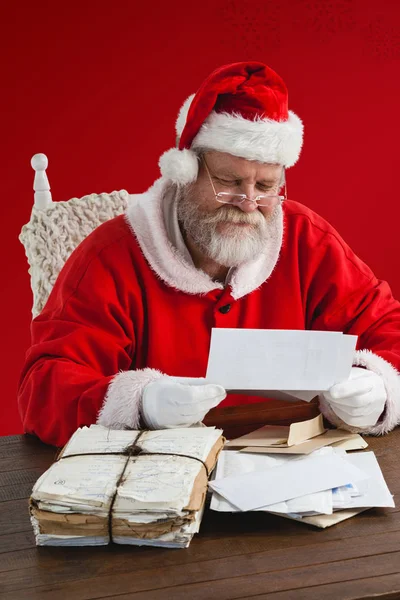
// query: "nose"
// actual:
[[248, 206]]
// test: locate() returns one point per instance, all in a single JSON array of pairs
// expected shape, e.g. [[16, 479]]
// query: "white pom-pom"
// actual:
[[294, 139], [183, 113], [179, 166]]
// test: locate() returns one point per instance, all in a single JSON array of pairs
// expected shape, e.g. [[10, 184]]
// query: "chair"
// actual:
[[56, 228]]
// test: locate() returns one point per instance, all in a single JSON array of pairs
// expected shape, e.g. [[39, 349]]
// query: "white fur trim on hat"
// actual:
[[122, 403], [391, 379], [183, 113], [264, 140], [179, 166]]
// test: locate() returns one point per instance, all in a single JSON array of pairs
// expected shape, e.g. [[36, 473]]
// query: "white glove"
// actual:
[[360, 400], [172, 402]]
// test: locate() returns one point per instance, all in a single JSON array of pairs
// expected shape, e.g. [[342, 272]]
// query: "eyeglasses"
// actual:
[[270, 200]]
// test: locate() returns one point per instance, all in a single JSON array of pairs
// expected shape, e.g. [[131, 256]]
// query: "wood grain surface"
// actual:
[[235, 556]]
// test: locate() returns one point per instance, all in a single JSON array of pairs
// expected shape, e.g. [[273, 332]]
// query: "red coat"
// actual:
[[127, 307]]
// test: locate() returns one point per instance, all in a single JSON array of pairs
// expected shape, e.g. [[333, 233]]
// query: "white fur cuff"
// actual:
[[391, 379], [121, 408]]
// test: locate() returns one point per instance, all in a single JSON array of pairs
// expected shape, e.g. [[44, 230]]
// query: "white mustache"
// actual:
[[234, 215]]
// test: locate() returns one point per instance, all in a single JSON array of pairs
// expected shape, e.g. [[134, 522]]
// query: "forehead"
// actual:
[[224, 163]]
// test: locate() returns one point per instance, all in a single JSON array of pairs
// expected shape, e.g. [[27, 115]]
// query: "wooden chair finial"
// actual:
[[41, 186]]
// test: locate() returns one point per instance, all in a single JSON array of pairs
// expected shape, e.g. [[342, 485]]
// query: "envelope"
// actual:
[[323, 521], [333, 437], [281, 436]]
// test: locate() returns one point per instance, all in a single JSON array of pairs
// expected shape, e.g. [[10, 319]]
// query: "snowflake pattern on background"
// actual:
[[326, 19], [251, 26], [382, 40], [256, 26]]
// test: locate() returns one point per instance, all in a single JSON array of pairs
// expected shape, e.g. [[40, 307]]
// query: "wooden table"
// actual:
[[252, 555]]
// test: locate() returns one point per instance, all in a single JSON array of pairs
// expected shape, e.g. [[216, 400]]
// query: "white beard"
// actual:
[[236, 245]]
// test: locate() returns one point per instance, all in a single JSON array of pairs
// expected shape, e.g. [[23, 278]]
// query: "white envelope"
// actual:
[[373, 491], [293, 479]]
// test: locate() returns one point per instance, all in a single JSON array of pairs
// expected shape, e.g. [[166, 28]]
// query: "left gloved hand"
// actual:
[[360, 400], [171, 402]]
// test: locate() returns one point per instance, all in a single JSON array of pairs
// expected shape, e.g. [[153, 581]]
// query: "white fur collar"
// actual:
[[144, 216]]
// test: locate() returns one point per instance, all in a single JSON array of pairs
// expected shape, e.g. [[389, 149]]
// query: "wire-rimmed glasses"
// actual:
[[270, 200]]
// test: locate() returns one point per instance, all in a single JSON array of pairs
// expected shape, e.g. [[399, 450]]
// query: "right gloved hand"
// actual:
[[172, 402]]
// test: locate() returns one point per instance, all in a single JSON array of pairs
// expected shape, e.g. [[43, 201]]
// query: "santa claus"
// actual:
[[123, 339]]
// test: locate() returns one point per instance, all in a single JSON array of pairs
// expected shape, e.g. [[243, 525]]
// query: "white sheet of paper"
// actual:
[[266, 359], [345, 357], [293, 479]]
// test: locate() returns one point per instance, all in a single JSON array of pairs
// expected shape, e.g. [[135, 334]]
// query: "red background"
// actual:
[[97, 86]]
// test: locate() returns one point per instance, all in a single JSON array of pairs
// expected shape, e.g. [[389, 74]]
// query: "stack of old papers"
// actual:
[[82, 500], [321, 488]]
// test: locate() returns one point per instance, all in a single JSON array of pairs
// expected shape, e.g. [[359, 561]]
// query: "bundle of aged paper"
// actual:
[[82, 500]]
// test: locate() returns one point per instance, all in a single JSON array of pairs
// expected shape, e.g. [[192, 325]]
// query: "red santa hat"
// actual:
[[242, 109]]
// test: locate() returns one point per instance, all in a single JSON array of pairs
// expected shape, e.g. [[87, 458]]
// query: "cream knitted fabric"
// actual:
[[54, 232]]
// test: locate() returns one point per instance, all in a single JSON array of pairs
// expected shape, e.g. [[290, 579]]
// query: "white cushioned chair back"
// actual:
[[55, 231]]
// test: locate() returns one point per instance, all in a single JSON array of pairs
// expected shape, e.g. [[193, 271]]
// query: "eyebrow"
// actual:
[[231, 175]]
